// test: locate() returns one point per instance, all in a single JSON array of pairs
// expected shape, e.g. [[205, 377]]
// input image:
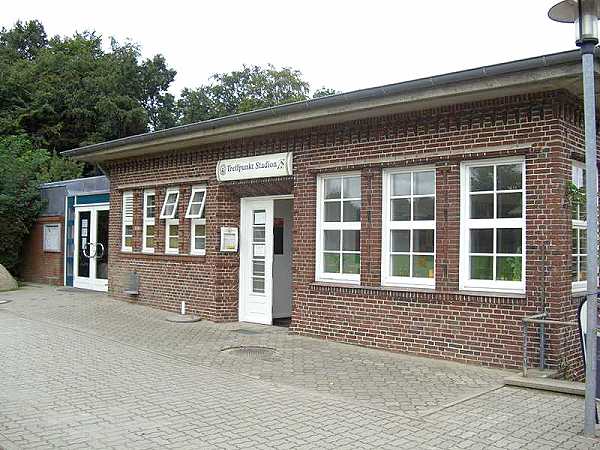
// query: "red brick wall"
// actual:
[[445, 323], [37, 264]]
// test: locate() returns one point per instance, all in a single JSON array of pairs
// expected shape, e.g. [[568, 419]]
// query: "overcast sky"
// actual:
[[344, 45]]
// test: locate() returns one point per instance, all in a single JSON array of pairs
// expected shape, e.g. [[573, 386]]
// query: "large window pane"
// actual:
[[422, 266], [331, 263], [401, 184], [482, 267], [424, 183], [508, 268], [352, 187], [352, 211], [333, 188], [510, 205], [509, 177], [351, 263], [574, 269], [332, 240], [333, 212], [401, 265], [482, 241], [351, 240], [400, 209], [423, 241], [482, 178], [482, 206], [508, 240], [424, 208], [400, 241]]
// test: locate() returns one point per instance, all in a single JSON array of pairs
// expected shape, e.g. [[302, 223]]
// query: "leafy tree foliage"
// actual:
[[248, 89], [325, 92], [65, 92], [22, 169], [58, 93]]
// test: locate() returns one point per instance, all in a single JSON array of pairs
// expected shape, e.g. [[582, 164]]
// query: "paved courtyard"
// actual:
[[80, 370]]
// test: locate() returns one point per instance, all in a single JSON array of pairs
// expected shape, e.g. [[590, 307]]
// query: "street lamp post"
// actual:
[[584, 14]]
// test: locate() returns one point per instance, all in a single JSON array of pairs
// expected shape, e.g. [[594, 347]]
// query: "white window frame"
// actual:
[[175, 204], [320, 274], [465, 283], [148, 221], [45, 246], [171, 250], [127, 221], [193, 249], [577, 170], [387, 279], [195, 190]]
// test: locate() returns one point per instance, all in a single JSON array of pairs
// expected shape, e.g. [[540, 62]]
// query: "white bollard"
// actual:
[[183, 308]]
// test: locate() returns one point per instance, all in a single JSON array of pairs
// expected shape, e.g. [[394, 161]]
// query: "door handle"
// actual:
[[101, 248], [86, 254]]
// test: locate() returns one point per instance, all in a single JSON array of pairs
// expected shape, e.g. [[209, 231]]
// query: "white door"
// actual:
[[256, 261], [90, 262]]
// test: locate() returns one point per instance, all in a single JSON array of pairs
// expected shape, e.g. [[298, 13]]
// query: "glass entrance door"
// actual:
[[91, 248]]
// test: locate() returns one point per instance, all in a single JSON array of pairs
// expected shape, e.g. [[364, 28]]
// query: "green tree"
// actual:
[[65, 92], [325, 92], [248, 89], [22, 169]]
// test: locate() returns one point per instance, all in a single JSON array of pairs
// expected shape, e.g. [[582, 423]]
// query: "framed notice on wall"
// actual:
[[229, 239]]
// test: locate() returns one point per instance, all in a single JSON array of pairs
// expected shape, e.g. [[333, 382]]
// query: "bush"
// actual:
[[22, 169]]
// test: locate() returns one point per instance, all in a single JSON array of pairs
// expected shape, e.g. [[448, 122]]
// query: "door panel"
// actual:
[[101, 256], [83, 239], [256, 259], [91, 248]]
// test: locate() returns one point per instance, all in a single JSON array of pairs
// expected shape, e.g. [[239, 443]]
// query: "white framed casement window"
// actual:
[[169, 207], [338, 228], [198, 242], [172, 236], [195, 211], [127, 230], [408, 239], [149, 229], [195, 208], [51, 242], [579, 233], [492, 219]]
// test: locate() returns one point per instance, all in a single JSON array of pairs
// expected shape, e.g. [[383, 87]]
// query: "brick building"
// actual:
[[427, 217]]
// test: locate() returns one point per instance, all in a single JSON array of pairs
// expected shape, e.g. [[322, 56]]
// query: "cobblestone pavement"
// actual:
[[81, 370]]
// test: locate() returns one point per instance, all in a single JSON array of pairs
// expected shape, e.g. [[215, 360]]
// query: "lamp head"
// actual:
[[583, 13]]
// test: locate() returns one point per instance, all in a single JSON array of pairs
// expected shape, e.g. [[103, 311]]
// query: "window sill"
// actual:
[[156, 255], [487, 294], [338, 282]]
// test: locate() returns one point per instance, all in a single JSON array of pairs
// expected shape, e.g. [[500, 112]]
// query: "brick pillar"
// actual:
[[370, 235]]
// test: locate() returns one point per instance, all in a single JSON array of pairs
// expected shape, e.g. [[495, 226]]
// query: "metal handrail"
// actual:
[[541, 319]]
